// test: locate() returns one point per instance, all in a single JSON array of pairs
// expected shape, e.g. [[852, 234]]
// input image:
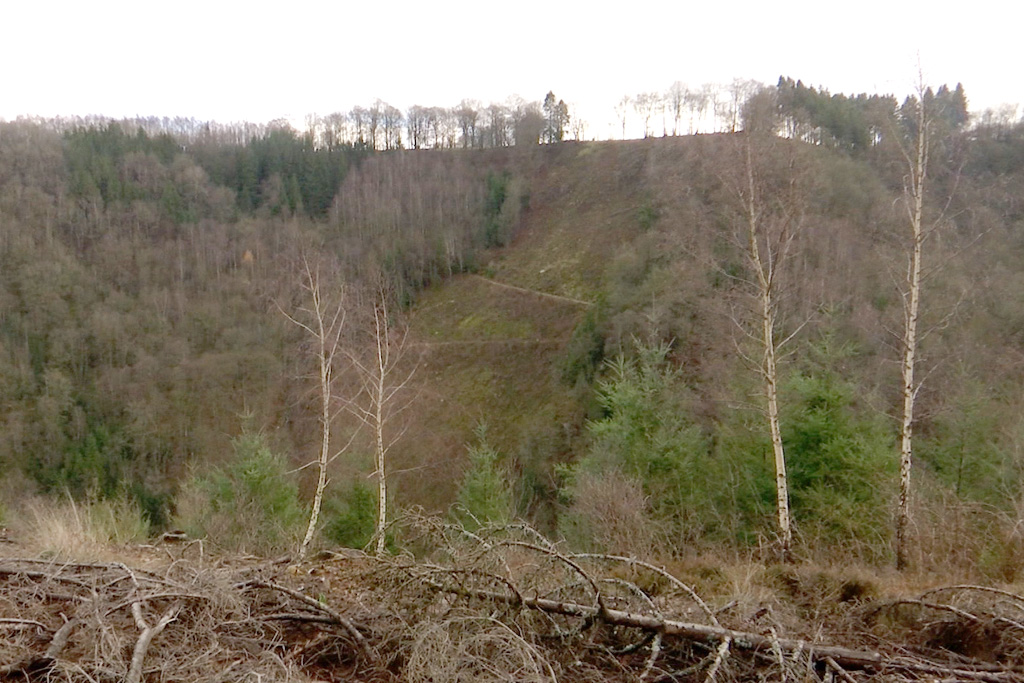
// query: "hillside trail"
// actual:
[[556, 297]]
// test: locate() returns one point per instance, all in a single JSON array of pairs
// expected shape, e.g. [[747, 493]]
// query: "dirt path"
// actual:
[[481, 342], [557, 297]]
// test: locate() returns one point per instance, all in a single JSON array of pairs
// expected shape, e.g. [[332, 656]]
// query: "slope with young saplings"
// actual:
[[493, 344]]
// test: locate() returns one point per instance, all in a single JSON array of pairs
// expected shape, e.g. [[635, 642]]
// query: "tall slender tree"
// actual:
[[916, 159], [384, 376], [322, 316], [556, 118], [769, 199]]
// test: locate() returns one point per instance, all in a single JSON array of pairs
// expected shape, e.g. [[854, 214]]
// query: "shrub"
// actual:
[[351, 519], [838, 461], [609, 512], [646, 437], [585, 351], [118, 520], [485, 495], [251, 505]]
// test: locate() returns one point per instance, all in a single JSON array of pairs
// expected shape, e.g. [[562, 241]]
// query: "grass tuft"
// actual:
[[66, 529]]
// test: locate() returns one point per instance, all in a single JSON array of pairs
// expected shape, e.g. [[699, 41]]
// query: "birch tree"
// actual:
[[767, 190], [383, 378], [933, 123], [917, 162], [322, 316]]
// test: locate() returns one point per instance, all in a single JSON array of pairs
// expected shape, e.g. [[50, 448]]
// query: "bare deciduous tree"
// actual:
[[676, 98], [916, 156], [323, 318], [383, 376], [468, 115], [646, 104], [768, 191], [911, 296], [392, 120], [622, 112]]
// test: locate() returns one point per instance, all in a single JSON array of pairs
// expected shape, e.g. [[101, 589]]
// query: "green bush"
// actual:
[[964, 447], [485, 495], [251, 505], [839, 461], [585, 351], [647, 431], [647, 437], [351, 518]]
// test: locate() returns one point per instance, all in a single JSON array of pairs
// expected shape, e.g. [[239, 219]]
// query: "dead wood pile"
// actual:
[[500, 604]]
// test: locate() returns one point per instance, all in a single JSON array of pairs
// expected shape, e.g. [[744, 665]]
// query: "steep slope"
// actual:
[[493, 345]]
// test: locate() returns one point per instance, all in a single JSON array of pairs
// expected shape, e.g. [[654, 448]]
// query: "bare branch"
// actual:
[[146, 637]]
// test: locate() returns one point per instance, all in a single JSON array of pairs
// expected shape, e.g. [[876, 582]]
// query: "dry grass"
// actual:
[[610, 511], [64, 529], [500, 604]]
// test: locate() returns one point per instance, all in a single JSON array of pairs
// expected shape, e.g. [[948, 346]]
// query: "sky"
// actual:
[[228, 60]]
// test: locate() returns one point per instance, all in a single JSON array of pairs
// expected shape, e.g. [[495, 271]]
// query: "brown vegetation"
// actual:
[[500, 604]]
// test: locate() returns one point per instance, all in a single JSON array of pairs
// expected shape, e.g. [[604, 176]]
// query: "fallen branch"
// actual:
[[41, 664], [60, 639], [21, 623], [660, 572], [980, 589], [325, 609], [838, 670], [743, 640], [148, 633], [931, 605], [720, 655], [942, 607]]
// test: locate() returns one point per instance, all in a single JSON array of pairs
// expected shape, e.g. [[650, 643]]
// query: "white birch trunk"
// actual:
[[911, 300], [325, 444], [327, 332], [379, 401], [766, 269]]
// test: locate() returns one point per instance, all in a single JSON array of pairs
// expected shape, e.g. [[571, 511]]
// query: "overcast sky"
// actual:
[[230, 60]]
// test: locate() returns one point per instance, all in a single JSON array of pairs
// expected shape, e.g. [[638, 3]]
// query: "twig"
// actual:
[[60, 639], [156, 596], [655, 651], [107, 566], [23, 622], [27, 667], [968, 587], [148, 633], [326, 609], [565, 559], [298, 616], [663, 573], [932, 605], [32, 574], [720, 655], [838, 670]]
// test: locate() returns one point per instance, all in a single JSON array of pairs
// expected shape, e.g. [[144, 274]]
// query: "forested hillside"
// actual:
[[582, 323]]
